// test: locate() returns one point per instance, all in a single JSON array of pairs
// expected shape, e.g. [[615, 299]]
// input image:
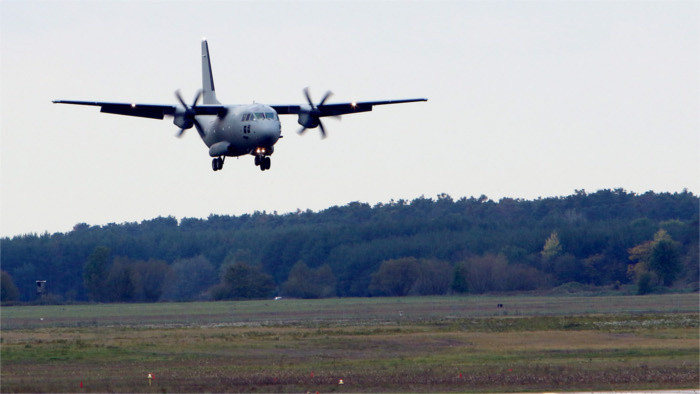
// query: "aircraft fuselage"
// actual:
[[245, 129]]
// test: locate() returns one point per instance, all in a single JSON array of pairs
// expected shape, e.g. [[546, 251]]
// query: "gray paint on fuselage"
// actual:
[[264, 133]]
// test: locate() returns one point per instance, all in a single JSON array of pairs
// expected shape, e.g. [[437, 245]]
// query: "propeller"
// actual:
[[313, 116], [188, 120]]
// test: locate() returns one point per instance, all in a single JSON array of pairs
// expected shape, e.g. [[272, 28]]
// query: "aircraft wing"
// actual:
[[340, 108], [153, 111]]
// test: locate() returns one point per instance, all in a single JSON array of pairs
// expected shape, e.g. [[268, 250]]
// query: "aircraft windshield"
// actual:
[[259, 116]]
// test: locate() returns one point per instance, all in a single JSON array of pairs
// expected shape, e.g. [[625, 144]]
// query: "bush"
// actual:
[[8, 290], [401, 277], [645, 283]]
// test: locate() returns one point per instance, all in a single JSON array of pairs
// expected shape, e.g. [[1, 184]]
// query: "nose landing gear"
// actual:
[[263, 162], [217, 163]]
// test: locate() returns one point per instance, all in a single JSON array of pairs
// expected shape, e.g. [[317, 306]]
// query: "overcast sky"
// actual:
[[526, 99]]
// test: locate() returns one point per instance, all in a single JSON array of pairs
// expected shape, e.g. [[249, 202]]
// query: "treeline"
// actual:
[[424, 246]]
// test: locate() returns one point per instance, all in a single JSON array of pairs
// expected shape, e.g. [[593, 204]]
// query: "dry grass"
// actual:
[[443, 353]]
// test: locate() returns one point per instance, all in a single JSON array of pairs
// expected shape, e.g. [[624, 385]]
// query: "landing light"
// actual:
[[133, 105], [354, 104]]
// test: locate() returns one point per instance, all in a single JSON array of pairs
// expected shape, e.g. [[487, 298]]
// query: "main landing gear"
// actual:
[[263, 162], [217, 163]]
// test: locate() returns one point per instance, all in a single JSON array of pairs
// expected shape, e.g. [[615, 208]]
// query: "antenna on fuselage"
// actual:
[[208, 91]]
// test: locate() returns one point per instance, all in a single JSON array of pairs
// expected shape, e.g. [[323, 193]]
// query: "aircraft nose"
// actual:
[[269, 133]]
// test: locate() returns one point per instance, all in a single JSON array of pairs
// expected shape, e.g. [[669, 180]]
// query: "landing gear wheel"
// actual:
[[217, 163], [264, 163], [257, 160]]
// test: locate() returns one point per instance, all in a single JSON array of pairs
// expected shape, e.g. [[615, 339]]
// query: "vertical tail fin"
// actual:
[[207, 77]]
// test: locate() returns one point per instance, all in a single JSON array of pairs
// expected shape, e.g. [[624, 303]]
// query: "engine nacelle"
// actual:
[[183, 121], [308, 120]]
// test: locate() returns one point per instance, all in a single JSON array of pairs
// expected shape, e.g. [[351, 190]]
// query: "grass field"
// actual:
[[381, 344]]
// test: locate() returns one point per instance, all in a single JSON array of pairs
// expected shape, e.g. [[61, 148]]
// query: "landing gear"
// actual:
[[263, 162], [217, 163]]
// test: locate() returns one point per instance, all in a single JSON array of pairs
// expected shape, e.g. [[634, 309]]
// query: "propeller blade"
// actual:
[[323, 100], [323, 129], [180, 133], [308, 97], [196, 97], [197, 124], [198, 127], [179, 98], [301, 131]]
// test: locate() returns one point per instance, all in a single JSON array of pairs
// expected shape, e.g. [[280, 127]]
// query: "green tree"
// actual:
[[150, 279], [660, 257], [188, 279], [519, 277], [459, 278], [8, 290], [433, 278], [326, 279], [121, 281], [645, 282], [597, 229], [664, 259], [95, 273], [394, 277], [568, 269], [304, 282], [486, 273], [300, 283], [241, 281]]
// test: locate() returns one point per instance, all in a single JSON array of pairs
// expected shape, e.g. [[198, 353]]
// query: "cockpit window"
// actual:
[[251, 116]]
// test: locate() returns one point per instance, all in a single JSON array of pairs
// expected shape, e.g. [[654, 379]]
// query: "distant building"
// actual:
[[40, 288]]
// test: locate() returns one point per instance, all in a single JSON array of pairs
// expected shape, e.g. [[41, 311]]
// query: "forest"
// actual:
[[611, 239]]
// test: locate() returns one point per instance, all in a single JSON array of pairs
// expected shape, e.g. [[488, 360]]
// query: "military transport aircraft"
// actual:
[[236, 130]]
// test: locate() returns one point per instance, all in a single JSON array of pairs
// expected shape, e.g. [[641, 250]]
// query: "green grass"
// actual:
[[332, 311], [379, 344]]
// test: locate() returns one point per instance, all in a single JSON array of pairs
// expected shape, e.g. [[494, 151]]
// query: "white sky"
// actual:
[[526, 99]]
